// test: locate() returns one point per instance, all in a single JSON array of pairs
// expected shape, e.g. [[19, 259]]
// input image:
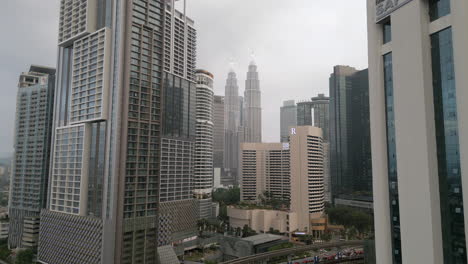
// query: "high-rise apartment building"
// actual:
[[288, 171], [350, 154], [204, 142], [178, 208], [418, 65], [218, 133], [253, 106], [265, 168], [288, 118], [233, 131], [307, 187], [30, 173], [120, 64]]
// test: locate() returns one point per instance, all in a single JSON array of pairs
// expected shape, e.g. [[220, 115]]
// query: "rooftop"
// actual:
[[262, 238]]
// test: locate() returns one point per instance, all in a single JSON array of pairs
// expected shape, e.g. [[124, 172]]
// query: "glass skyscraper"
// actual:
[[350, 154]]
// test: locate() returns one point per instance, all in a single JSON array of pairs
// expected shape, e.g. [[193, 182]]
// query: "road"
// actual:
[[259, 258], [328, 253]]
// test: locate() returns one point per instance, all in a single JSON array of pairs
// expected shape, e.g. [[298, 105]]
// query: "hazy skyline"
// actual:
[[296, 44]]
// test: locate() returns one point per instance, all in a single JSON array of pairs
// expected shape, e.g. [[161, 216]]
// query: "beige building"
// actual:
[[307, 185], [294, 170], [264, 167], [261, 220], [418, 65]]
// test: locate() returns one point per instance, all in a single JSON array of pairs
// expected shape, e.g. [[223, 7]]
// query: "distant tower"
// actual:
[[288, 119], [218, 131], [231, 125], [204, 142], [253, 106], [28, 186]]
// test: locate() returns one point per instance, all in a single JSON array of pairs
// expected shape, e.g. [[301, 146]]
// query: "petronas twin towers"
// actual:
[[243, 117], [253, 106]]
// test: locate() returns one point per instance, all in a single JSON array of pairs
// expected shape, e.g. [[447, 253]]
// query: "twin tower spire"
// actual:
[[243, 115]]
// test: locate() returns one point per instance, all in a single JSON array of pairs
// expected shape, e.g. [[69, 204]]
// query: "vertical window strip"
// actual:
[[392, 160], [448, 148]]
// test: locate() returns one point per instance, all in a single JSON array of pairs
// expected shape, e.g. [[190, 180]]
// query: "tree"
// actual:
[[4, 252], [247, 231], [326, 236], [229, 196], [24, 257]]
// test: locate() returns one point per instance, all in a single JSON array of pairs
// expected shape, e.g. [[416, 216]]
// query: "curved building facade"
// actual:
[[204, 141]]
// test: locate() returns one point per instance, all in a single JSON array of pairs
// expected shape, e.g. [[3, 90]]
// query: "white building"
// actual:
[[203, 171], [418, 70]]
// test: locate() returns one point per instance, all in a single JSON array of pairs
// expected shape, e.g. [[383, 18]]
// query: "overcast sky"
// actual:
[[296, 44]]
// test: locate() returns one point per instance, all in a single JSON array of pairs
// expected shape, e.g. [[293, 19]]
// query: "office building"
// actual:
[[315, 113], [33, 132], [264, 168], [120, 63], [253, 106], [218, 131], [288, 171], [233, 131], [204, 142], [288, 118], [350, 153], [418, 77]]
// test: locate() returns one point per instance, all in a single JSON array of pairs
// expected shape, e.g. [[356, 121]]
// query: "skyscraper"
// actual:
[[232, 127], [307, 190], [204, 143], [315, 113], [253, 106], [288, 118], [350, 155], [30, 173], [178, 208], [418, 65], [218, 133], [119, 64]]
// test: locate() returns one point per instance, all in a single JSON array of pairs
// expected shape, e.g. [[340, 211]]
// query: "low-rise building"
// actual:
[[234, 247]]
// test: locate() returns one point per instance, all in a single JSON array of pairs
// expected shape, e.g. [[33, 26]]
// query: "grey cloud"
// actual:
[[296, 43]]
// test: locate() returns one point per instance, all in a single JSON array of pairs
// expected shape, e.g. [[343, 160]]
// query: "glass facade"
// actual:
[[179, 107], [448, 155], [438, 9], [349, 130], [387, 32], [392, 159]]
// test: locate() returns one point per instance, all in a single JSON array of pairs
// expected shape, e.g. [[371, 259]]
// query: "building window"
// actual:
[[448, 148], [392, 159], [438, 9], [387, 31]]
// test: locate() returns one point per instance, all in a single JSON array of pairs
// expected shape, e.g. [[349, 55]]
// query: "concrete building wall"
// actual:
[[416, 137], [261, 220]]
